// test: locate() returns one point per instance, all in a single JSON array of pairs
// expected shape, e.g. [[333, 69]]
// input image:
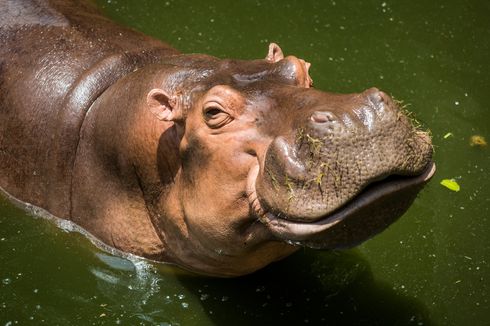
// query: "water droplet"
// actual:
[[204, 297]]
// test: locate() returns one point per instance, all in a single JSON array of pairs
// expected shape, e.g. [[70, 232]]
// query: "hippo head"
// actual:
[[268, 163]]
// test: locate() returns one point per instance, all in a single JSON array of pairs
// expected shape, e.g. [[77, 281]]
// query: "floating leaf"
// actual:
[[451, 184], [449, 134], [477, 140]]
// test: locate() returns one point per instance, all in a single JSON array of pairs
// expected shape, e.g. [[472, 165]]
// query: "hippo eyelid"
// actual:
[[215, 115], [213, 108]]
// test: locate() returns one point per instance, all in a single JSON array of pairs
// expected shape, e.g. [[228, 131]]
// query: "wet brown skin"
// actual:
[[219, 166]]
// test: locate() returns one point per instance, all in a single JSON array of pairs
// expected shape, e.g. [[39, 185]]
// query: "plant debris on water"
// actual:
[[477, 140], [451, 184]]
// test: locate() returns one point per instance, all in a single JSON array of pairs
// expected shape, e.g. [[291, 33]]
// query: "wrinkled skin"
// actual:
[[219, 166]]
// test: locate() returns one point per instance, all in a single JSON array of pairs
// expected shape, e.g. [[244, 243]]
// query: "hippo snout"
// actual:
[[346, 144], [371, 107]]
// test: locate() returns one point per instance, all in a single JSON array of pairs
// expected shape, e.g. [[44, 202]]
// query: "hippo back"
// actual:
[[56, 58]]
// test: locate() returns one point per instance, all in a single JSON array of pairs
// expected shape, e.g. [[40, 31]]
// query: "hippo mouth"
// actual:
[[365, 215]]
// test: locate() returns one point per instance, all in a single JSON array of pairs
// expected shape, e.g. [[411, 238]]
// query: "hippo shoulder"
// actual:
[[54, 63]]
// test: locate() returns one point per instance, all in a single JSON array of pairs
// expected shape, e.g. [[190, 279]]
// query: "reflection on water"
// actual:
[[80, 283]]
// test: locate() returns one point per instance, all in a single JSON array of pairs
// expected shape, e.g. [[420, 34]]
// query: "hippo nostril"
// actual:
[[386, 99], [322, 116], [375, 96]]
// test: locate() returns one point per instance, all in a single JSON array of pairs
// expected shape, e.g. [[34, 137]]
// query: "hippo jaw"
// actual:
[[367, 214]]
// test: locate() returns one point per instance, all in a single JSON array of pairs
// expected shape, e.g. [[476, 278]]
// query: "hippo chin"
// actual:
[[219, 166]]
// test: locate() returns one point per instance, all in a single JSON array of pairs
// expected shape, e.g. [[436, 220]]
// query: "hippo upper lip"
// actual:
[[298, 231]]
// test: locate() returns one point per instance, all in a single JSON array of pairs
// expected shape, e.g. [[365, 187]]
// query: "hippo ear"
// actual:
[[162, 105], [304, 75], [275, 53]]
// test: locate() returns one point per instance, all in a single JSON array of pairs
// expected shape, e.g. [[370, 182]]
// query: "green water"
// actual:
[[430, 268]]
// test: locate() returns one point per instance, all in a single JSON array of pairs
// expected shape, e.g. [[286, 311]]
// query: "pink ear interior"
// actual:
[[275, 53], [160, 104]]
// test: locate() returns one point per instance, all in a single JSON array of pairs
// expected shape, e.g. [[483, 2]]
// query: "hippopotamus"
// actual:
[[219, 166]]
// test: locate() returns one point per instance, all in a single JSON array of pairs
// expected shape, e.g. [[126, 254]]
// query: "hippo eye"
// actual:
[[212, 112], [215, 116]]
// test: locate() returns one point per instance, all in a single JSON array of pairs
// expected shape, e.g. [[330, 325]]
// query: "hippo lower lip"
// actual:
[[317, 234]]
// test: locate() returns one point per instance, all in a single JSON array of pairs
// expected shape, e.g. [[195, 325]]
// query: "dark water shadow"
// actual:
[[309, 288]]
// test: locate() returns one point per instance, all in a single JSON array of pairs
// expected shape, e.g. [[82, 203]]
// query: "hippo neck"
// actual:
[[83, 93]]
